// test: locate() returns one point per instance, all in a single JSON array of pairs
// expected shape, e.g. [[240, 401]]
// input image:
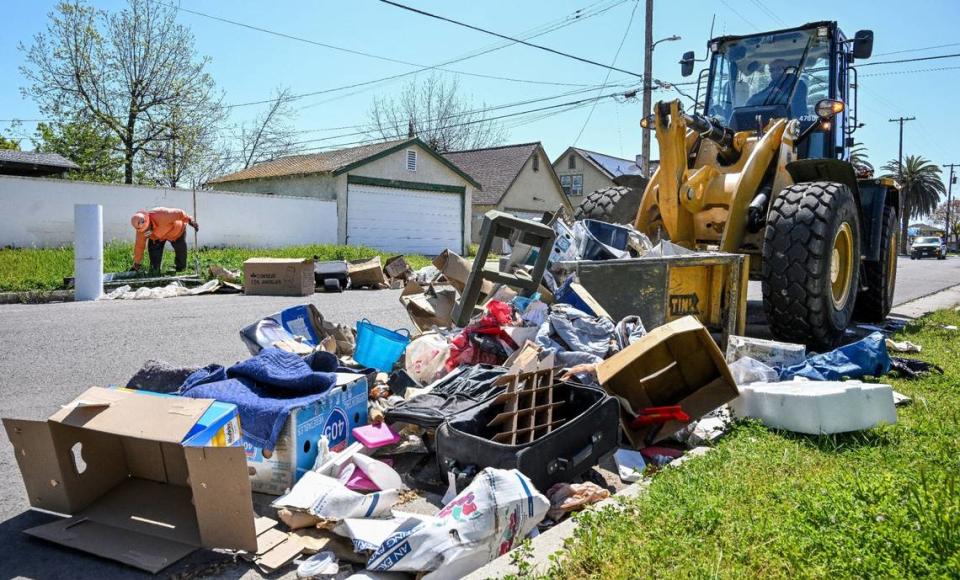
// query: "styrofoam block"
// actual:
[[769, 352], [817, 407]]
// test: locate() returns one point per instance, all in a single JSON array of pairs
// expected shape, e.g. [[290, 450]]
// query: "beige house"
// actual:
[[581, 171], [515, 178], [398, 196]]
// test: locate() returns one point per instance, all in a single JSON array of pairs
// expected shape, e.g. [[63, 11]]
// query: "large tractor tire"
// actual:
[[811, 263], [615, 205], [880, 277]]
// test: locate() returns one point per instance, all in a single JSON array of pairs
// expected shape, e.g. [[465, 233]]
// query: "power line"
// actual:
[[915, 59], [917, 49], [607, 76], [770, 13], [741, 16], [287, 36], [577, 16], [504, 36]]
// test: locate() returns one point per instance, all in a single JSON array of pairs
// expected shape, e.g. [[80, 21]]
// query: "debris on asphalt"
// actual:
[[332, 276], [366, 273], [522, 393], [160, 377], [494, 513], [675, 364], [144, 508], [278, 277], [571, 497], [865, 357], [769, 352]]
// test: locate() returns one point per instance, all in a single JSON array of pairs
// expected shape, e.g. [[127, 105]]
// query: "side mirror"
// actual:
[[686, 63], [863, 44]]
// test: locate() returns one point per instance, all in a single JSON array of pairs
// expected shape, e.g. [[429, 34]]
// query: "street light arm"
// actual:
[[667, 39]]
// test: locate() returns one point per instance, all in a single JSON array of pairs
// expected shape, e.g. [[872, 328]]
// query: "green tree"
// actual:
[[921, 186], [127, 70], [95, 149], [9, 144]]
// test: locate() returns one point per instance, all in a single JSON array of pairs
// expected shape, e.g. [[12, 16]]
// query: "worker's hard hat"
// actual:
[[140, 221]]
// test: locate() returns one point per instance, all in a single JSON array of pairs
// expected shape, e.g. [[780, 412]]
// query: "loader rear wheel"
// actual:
[[811, 263], [615, 205], [880, 277]]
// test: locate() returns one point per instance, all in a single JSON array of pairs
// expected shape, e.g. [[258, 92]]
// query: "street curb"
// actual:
[[939, 300], [36, 297]]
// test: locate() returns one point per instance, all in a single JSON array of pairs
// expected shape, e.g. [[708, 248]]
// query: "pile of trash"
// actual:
[[507, 423]]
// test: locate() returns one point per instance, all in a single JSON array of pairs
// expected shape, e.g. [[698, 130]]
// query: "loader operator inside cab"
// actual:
[[783, 79], [154, 229], [788, 71]]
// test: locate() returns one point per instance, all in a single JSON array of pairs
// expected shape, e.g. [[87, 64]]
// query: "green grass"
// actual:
[[27, 269], [881, 503]]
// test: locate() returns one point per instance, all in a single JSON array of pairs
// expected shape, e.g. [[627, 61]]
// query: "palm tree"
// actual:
[[921, 188], [858, 157]]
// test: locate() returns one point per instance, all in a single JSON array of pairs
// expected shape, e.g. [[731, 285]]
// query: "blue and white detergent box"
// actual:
[[219, 426], [335, 415]]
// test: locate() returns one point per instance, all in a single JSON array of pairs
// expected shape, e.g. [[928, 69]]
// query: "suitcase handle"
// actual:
[[563, 464]]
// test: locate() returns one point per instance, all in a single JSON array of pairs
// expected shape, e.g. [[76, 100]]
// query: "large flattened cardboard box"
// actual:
[[138, 492], [278, 276], [341, 409], [675, 364]]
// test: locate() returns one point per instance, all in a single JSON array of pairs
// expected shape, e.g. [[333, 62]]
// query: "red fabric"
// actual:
[[464, 352]]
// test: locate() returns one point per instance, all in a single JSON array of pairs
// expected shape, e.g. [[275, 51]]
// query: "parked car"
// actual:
[[928, 246]]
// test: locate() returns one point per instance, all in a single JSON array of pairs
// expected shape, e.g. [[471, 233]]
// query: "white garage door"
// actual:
[[404, 220]]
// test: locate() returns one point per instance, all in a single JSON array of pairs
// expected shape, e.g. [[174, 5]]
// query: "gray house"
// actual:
[[398, 196]]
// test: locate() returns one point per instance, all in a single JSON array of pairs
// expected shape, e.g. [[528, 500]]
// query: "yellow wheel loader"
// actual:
[[764, 169]]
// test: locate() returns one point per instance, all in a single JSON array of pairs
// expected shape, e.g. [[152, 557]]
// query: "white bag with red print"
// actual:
[[486, 520]]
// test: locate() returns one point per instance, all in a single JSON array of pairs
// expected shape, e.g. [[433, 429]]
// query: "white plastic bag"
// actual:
[[426, 356], [483, 522], [746, 370]]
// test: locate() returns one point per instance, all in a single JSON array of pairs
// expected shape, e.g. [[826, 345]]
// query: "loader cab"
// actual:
[[787, 74]]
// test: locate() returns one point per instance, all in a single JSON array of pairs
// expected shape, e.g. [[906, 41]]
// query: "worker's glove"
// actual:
[[195, 225], [135, 268]]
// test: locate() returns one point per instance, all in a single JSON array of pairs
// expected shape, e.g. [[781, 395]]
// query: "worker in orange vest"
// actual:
[[155, 228]]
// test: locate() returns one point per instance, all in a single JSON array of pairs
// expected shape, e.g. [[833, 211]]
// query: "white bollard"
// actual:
[[87, 251]]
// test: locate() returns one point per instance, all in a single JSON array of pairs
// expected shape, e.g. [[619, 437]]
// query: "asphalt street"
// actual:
[[50, 353]]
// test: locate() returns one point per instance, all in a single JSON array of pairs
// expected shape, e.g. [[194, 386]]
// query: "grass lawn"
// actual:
[[23, 269], [883, 503]]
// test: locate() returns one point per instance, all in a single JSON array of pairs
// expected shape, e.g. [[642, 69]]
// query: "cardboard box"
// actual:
[[429, 306], [335, 415], [675, 364], [219, 426], [122, 465], [367, 273], [278, 276]]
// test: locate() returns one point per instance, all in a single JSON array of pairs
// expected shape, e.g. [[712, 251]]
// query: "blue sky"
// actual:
[[248, 65]]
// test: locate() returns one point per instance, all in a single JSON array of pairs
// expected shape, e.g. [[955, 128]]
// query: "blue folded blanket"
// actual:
[[265, 388]]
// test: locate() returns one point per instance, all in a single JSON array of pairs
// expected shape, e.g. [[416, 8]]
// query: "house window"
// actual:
[[571, 162], [576, 187], [565, 183], [536, 163], [411, 160]]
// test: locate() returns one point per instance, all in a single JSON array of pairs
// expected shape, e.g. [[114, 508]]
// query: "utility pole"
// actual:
[[904, 207], [647, 86], [949, 200]]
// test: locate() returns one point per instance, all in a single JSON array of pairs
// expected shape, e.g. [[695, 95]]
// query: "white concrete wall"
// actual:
[[39, 213]]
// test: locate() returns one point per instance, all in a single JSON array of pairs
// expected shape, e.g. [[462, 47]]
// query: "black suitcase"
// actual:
[[331, 276], [587, 425]]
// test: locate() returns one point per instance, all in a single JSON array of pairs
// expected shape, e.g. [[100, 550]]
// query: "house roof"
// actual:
[[332, 162], [34, 163], [608, 164], [496, 168]]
